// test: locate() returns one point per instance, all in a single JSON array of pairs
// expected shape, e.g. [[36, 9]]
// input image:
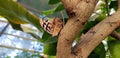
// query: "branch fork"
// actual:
[[92, 38]]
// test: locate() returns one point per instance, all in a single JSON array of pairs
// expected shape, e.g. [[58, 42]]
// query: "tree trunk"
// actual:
[[79, 11]]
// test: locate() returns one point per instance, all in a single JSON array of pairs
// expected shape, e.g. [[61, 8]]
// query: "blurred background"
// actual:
[[17, 44]]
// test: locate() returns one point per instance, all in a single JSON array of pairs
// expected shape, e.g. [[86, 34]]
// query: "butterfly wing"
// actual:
[[53, 26], [58, 25]]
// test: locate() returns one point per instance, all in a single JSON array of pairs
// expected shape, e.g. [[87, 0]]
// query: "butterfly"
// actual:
[[53, 27]]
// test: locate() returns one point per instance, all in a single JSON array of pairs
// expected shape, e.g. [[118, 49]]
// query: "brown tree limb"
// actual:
[[95, 35], [118, 4], [78, 11], [115, 35]]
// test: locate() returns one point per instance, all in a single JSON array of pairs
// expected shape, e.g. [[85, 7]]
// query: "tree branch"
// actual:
[[118, 4], [95, 35], [116, 35], [78, 11]]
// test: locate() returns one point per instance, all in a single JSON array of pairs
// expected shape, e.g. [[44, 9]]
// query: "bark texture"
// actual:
[[95, 35], [115, 35], [79, 11]]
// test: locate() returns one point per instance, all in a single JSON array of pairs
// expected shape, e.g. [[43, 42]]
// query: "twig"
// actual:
[[116, 35], [118, 4]]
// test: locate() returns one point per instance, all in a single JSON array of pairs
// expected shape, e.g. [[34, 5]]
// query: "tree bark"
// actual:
[[96, 34], [78, 11], [115, 35]]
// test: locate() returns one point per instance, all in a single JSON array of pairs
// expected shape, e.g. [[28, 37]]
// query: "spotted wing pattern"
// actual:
[[52, 26]]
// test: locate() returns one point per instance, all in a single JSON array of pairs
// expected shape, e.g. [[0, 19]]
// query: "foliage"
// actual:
[[50, 49], [54, 10], [17, 15], [99, 52], [53, 1], [114, 47], [113, 5]]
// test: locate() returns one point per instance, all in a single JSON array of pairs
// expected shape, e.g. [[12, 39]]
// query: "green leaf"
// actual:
[[48, 12], [59, 8], [48, 39], [54, 10], [50, 49], [34, 35], [51, 56], [101, 17], [118, 30], [53, 2], [45, 37], [103, 9], [88, 25], [16, 14], [99, 52], [114, 47], [114, 5]]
